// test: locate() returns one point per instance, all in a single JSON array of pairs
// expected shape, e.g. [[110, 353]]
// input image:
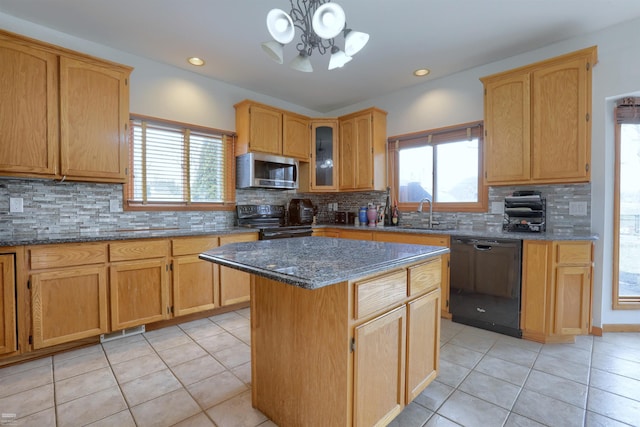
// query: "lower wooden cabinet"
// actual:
[[8, 343], [68, 305], [138, 283], [556, 290], [234, 284]]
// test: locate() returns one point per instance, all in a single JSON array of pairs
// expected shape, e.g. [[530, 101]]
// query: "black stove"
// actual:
[[270, 221]]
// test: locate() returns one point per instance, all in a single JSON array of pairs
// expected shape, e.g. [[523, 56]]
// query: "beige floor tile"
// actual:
[[91, 408], [516, 420], [243, 334], [626, 339], [166, 410], [569, 352], [219, 342], [434, 395], [121, 419], [510, 353], [573, 371], [616, 365], [470, 411], [25, 366], [216, 389], [547, 410], [163, 332], [460, 355], [412, 415], [43, 418], [149, 387], [440, 421], [245, 312], [67, 368], [28, 402], [613, 406], [234, 356], [122, 341], [617, 384], [207, 330], [452, 374], [617, 350], [26, 380], [199, 420], [84, 384], [558, 388], [491, 389], [198, 369], [180, 354], [163, 342], [133, 350], [230, 320], [243, 372], [76, 353], [520, 343], [136, 368], [504, 370], [596, 420], [195, 324], [236, 412], [473, 340]]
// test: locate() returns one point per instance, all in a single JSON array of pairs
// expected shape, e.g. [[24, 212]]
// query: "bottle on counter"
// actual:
[[395, 216], [387, 209], [362, 215]]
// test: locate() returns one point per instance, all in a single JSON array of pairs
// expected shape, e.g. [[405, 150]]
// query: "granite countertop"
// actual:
[[494, 234], [38, 237], [314, 262]]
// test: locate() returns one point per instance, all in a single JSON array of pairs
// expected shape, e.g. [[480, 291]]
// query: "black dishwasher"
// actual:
[[485, 283]]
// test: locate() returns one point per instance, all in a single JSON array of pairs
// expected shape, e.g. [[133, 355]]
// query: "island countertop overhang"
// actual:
[[315, 262]]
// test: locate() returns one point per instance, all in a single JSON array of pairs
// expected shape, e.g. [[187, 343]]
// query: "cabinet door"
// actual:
[[324, 159], [536, 279], [364, 152], [265, 130], [507, 117], [138, 293], [348, 153], [561, 101], [572, 300], [234, 284], [296, 136], [379, 369], [194, 285], [28, 111], [94, 111], [68, 305], [7, 305], [423, 342]]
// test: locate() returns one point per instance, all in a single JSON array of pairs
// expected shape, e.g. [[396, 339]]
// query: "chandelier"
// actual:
[[319, 22]]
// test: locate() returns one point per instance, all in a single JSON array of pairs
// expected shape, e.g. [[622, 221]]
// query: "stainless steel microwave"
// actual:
[[257, 170]]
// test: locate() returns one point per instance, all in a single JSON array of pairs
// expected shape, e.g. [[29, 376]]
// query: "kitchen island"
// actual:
[[343, 332]]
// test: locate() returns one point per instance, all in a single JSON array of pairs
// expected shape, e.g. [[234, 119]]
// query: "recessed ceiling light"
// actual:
[[421, 72], [194, 60]]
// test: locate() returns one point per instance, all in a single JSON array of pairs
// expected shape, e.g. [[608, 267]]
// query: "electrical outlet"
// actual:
[[578, 208], [114, 206], [497, 207], [15, 205]]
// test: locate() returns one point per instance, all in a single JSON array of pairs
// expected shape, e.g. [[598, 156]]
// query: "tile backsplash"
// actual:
[[69, 207]]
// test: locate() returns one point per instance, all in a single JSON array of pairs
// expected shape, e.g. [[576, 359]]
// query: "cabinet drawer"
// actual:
[[125, 251], [573, 253], [193, 245], [380, 292], [425, 276], [53, 256]]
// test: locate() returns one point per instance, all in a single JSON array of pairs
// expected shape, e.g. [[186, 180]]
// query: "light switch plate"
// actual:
[[578, 208], [15, 205], [114, 206], [497, 207]]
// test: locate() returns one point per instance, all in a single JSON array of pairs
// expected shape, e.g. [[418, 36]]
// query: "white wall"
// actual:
[[164, 91]]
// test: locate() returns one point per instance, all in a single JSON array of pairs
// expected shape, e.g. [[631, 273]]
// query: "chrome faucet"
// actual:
[[427, 199]]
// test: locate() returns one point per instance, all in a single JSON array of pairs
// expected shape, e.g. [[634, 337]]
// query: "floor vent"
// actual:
[[122, 334]]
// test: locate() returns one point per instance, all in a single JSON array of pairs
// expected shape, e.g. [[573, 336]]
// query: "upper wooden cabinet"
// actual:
[[63, 114], [537, 121], [265, 129], [362, 149], [321, 173]]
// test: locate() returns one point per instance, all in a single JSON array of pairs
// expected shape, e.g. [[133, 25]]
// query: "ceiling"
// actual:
[[446, 36]]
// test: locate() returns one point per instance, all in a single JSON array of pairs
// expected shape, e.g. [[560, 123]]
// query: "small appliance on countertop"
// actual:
[[525, 211], [301, 212], [269, 221]]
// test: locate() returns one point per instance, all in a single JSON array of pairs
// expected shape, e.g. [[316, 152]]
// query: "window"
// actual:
[[179, 167], [444, 165], [626, 276]]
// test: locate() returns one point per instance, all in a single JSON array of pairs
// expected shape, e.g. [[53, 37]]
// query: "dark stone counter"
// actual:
[[314, 262]]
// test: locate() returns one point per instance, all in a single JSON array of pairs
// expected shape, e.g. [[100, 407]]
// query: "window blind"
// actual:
[[628, 110], [176, 164]]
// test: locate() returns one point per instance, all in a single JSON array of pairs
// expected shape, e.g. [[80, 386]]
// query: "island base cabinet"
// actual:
[[234, 284], [54, 293], [379, 368]]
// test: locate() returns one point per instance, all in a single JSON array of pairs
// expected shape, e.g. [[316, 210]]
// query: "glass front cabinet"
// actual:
[[324, 159]]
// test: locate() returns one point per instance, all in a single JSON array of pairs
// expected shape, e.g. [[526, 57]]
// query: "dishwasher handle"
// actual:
[[479, 247]]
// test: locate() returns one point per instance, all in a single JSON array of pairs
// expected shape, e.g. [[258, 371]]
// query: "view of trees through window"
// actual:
[[629, 220], [172, 164], [448, 171]]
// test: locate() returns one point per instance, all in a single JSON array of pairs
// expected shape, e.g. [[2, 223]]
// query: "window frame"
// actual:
[[618, 302], [435, 137], [229, 141]]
